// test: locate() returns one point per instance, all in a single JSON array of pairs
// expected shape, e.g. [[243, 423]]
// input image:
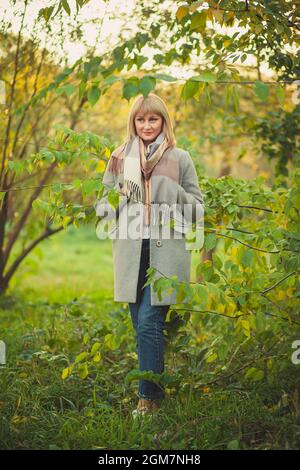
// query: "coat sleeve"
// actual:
[[189, 192], [102, 206]]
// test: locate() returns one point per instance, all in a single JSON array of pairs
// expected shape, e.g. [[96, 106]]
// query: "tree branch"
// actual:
[[47, 233]]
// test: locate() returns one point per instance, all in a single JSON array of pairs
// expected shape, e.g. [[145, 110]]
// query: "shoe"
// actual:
[[145, 407]]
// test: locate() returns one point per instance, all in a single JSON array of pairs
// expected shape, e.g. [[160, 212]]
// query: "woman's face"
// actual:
[[148, 126]]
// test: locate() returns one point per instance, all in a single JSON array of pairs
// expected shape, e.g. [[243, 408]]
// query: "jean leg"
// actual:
[[148, 321], [151, 320], [134, 306]]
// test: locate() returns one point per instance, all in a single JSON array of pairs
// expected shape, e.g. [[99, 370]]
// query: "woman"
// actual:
[[151, 174]]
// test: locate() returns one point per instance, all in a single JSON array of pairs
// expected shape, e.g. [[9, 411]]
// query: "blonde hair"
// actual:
[[151, 104]]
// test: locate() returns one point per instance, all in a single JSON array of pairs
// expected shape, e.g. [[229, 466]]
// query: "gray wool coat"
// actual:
[[174, 181]]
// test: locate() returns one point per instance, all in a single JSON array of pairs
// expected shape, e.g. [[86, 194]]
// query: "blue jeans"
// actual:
[[148, 321]]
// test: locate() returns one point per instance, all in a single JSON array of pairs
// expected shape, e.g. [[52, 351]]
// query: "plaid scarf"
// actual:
[[137, 170]]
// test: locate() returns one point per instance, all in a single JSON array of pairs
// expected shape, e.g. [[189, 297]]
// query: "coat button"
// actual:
[[158, 243]]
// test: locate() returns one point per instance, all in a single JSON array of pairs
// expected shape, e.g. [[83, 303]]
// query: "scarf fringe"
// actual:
[[134, 189]]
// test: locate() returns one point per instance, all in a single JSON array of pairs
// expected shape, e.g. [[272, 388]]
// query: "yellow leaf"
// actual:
[[18, 403], [218, 15], [212, 357], [107, 152], [220, 308], [180, 294], [65, 373], [246, 327], [230, 308], [230, 14], [97, 357], [209, 14], [211, 299], [234, 251], [290, 291], [65, 220], [182, 12], [200, 338], [100, 166], [281, 294], [170, 290], [258, 28]]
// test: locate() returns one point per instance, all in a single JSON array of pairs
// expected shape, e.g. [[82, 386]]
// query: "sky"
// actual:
[[112, 17], [94, 9]]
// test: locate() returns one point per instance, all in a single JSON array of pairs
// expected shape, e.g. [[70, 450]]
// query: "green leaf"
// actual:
[[95, 348], [198, 21], [83, 371], [46, 13], [205, 76], [247, 258], [189, 89], [217, 262], [165, 77], [136, 374], [254, 374], [130, 89], [110, 341], [111, 80], [235, 98], [147, 84], [94, 95], [223, 351], [113, 198], [66, 6], [210, 241], [260, 321], [69, 89], [155, 30], [80, 357], [57, 188], [88, 186], [85, 338], [233, 445], [261, 90]]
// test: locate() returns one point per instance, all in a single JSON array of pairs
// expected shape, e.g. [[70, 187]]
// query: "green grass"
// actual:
[[69, 264], [65, 291]]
